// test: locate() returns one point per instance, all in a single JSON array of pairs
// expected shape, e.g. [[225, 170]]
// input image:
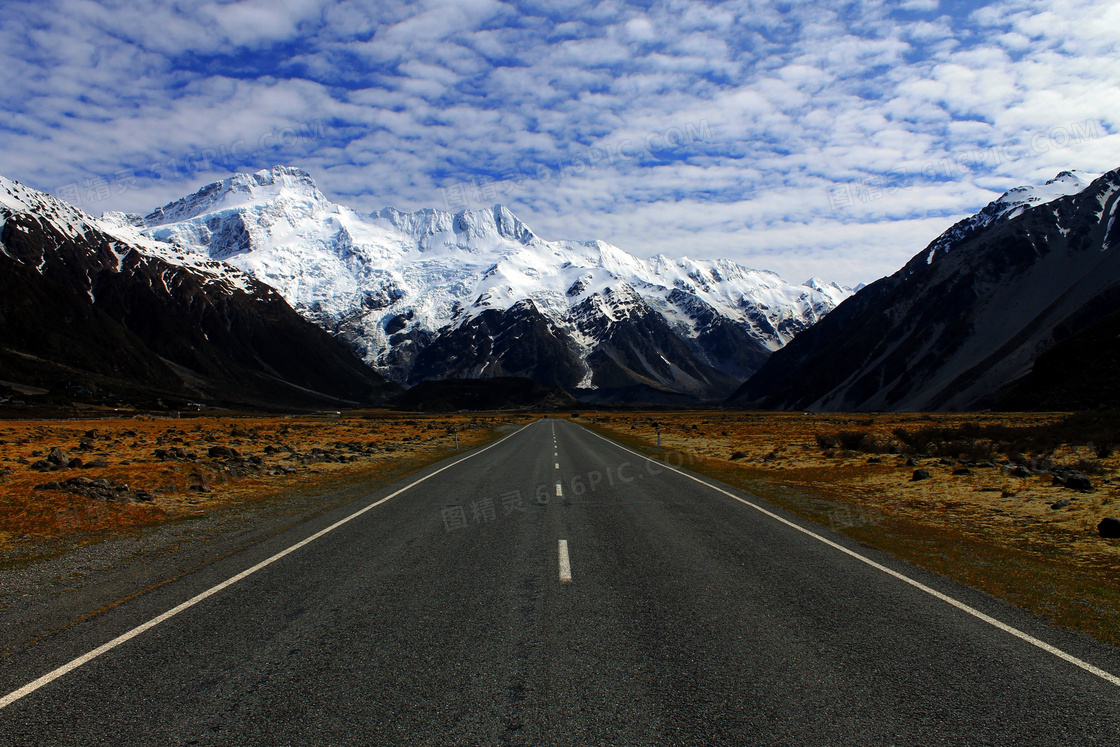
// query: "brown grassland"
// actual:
[[144, 471], [983, 526]]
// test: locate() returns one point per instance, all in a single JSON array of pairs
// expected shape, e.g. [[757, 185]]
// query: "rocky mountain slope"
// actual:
[[93, 308], [434, 295], [967, 317]]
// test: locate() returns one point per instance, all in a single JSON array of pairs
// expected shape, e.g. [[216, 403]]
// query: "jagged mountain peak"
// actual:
[[16, 197], [241, 190], [1011, 204], [464, 229], [395, 284], [86, 297], [957, 332]]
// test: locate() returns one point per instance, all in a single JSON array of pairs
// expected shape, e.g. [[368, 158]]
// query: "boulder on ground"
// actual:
[[1109, 528], [920, 474], [1078, 481]]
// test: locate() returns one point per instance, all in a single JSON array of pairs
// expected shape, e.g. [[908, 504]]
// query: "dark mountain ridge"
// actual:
[[962, 321]]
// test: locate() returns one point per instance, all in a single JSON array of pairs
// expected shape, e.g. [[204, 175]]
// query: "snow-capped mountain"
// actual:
[[1010, 204], [94, 301], [431, 294], [971, 315]]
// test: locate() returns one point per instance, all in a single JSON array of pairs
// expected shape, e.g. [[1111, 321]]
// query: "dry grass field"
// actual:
[[1006, 507], [81, 480]]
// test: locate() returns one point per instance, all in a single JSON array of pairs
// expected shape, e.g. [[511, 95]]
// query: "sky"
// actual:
[[828, 139]]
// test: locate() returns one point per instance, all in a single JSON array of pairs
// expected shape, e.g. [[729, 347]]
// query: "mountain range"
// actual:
[[435, 295], [90, 314], [1014, 307], [257, 289]]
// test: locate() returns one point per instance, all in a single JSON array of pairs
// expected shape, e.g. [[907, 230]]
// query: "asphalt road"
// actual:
[[441, 617]]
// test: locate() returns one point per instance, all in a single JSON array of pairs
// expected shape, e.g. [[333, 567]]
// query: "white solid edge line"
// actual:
[[565, 564], [1108, 677], [125, 637]]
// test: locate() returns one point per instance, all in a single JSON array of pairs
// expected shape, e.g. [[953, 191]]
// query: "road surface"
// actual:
[[555, 588]]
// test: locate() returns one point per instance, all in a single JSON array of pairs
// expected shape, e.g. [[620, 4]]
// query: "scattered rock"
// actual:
[[1109, 528], [920, 474], [96, 463], [1059, 504], [58, 456], [74, 463], [911, 463], [1020, 471], [874, 460], [106, 490], [962, 471], [222, 452], [1078, 481], [736, 455], [175, 454]]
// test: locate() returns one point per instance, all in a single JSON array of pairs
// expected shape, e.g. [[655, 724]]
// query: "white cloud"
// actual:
[[707, 129]]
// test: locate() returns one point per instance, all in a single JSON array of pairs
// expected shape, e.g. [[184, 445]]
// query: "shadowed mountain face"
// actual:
[[1080, 372], [967, 318], [82, 307]]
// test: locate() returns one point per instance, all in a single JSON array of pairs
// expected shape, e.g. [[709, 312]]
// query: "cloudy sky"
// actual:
[[812, 138]]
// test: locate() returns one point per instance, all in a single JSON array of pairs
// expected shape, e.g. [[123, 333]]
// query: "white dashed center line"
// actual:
[[565, 564], [559, 493]]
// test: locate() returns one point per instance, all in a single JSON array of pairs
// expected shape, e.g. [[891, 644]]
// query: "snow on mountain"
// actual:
[[71, 222], [391, 278], [85, 296], [1012, 203], [1031, 270]]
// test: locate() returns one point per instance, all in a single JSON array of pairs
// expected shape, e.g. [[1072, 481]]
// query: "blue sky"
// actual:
[[810, 138]]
